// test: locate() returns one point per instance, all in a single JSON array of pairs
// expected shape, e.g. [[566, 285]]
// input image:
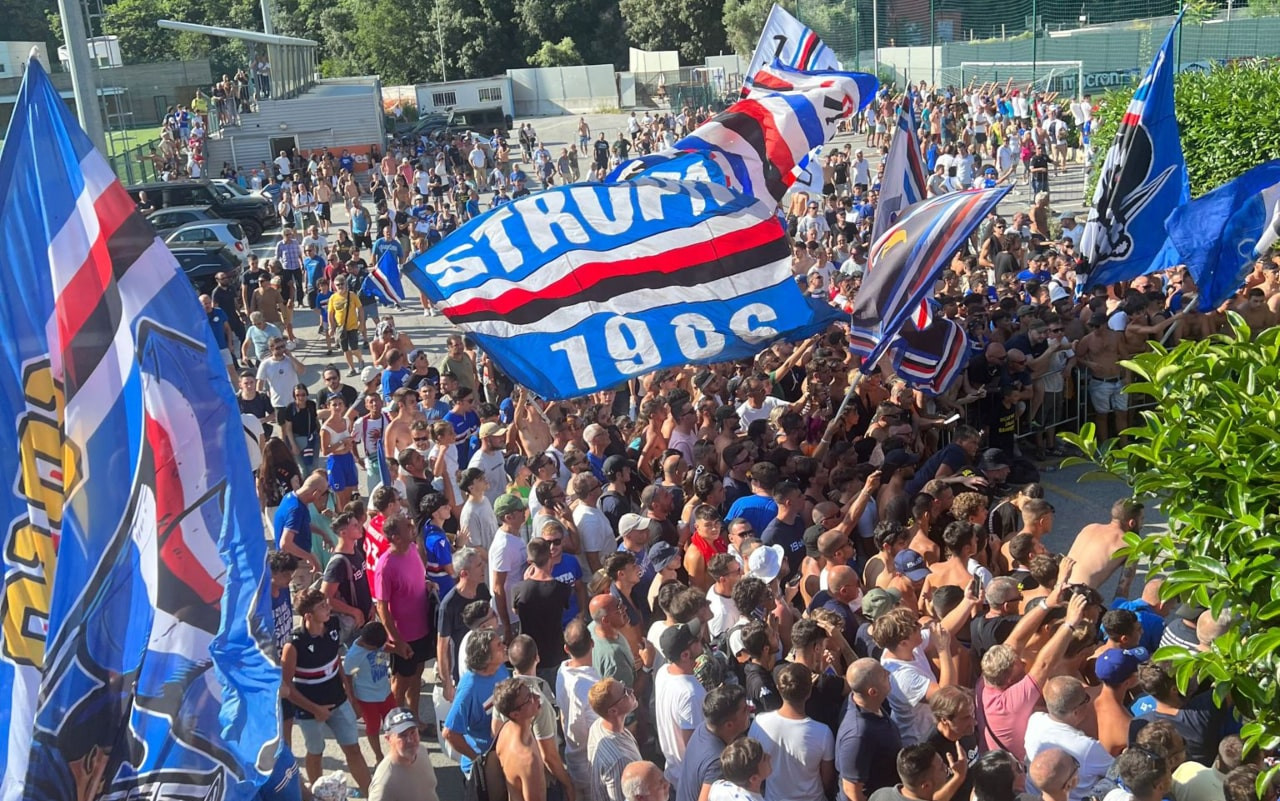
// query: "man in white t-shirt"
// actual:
[[860, 170], [801, 748], [911, 680], [279, 373], [726, 572], [759, 403], [507, 560], [813, 220], [284, 167], [963, 163], [1007, 160], [1068, 707], [573, 682], [491, 459], [596, 537], [677, 696]]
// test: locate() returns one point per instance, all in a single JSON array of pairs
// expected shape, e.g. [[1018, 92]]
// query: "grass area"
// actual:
[[126, 140]]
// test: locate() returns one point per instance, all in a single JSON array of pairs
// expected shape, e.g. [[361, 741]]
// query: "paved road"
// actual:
[[1077, 504]]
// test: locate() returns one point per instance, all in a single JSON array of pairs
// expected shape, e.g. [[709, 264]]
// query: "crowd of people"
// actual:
[[719, 582]]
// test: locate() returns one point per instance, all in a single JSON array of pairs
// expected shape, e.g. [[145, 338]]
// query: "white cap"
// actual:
[[765, 562], [1057, 292]]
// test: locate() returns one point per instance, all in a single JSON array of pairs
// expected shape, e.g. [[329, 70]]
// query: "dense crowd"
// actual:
[[712, 583]]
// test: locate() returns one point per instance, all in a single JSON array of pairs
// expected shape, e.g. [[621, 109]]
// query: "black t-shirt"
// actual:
[[761, 689], [602, 152], [1022, 342], [416, 380], [790, 536], [414, 489], [946, 748], [251, 278], [987, 632], [867, 747], [614, 505], [348, 394], [449, 620], [347, 572], [259, 407], [1005, 262], [1199, 722], [540, 606], [302, 419], [827, 701]]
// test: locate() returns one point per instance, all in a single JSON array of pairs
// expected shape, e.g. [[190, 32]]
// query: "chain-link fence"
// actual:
[[1069, 46]]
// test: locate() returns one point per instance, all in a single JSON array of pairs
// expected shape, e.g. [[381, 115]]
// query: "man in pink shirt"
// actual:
[[402, 594], [1008, 691]]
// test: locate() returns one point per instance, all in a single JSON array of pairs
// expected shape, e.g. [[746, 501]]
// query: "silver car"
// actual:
[[212, 232]]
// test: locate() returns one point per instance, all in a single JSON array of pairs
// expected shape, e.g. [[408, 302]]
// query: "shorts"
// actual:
[[226, 356], [371, 312], [287, 710], [349, 340], [1108, 395], [980, 138], [341, 724], [342, 472], [374, 712], [323, 210], [424, 648]]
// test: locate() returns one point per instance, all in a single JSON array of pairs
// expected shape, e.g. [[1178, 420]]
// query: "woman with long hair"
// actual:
[[997, 776], [336, 443], [278, 476], [302, 428], [708, 489]]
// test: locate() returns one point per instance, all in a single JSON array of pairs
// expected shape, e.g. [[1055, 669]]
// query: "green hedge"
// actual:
[[1229, 117]]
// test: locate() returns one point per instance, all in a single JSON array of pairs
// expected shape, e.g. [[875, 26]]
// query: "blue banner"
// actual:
[[136, 655], [1143, 179], [582, 287], [1219, 235]]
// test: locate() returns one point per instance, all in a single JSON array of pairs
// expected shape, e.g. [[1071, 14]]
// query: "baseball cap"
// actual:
[[399, 720], [661, 555], [370, 374], [878, 601], [630, 522], [911, 564], [765, 562], [675, 641], [513, 464], [994, 459], [1057, 292], [614, 465], [1115, 665], [506, 504], [415, 353], [492, 430]]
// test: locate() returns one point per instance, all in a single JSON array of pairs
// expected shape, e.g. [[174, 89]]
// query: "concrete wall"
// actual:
[[549, 91]]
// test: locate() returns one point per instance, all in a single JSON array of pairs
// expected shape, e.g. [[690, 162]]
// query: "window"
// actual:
[[444, 99], [490, 93]]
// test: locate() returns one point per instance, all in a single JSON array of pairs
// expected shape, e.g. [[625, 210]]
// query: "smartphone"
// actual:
[[974, 586]]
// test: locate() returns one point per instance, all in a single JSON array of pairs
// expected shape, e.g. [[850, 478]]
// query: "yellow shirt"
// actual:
[[344, 310]]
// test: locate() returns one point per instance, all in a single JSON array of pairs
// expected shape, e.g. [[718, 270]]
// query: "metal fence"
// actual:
[[133, 165]]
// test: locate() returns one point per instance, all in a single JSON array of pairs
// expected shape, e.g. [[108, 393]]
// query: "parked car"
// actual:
[[255, 214], [201, 263], [212, 232], [168, 220]]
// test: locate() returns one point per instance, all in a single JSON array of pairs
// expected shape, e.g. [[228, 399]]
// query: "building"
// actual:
[[481, 103]]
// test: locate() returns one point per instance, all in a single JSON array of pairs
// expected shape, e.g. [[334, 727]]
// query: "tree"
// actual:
[[562, 54], [595, 26], [1221, 135], [1209, 453], [743, 20], [692, 27], [28, 21]]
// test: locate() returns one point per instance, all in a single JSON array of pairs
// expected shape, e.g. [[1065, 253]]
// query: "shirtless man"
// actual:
[[398, 435], [517, 748], [1094, 549], [961, 540], [1142, 327], [531, 422], [1100, 351], [1037, 521], [921, 542], [1255, 312]]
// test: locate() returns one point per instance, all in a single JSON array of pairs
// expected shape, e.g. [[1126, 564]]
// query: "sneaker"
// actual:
[[353, 373]]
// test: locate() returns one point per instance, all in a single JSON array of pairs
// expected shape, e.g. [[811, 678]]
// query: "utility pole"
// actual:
[[1035, 41], [875, 36], [87, 107]]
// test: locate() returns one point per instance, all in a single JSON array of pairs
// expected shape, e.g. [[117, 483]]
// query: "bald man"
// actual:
[[844, 597], [1055, 772], [868, 742], [836, 550], [1068, 709], [1210, 628], [643, 781]]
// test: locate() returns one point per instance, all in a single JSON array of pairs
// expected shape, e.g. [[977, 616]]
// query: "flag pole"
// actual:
[[87, 108]]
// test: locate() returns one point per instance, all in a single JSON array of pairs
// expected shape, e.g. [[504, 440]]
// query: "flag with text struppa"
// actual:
[[1220, 234], [903, 265], [136, 652], [789, 42], [759, 142], [1143, 179], [582, 287]]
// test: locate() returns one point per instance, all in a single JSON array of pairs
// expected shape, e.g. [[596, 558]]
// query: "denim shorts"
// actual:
[[341, 724]]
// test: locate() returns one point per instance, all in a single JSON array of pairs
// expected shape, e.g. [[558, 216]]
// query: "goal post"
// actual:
[[1064, 77]]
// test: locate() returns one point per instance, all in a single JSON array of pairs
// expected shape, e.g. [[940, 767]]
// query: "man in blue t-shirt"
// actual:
[[469, 728], [464, 420], [346, 161], [292, 525], [759, 509], [387, 242]]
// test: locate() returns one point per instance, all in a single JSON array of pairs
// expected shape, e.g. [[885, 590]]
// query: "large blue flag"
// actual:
[[1220, 234], [136, 654], [903, 184], [1143, 179], [582, 287]]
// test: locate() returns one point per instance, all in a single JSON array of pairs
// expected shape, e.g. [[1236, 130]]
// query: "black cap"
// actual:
[[994, 459], [724, 413], [614, 465], [899, 458], [675, 641]]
